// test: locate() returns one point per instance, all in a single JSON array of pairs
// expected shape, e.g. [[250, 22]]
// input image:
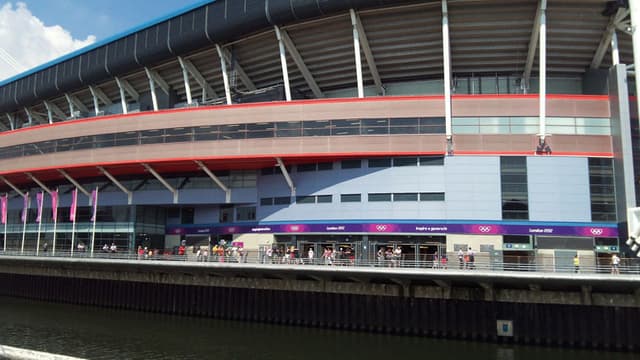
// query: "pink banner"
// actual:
[[25, 207], [94, 202], [54, 205], [39, 201], [3, 200], [74, 205]]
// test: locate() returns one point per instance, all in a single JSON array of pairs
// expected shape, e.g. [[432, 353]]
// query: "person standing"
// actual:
[[576, 264], [310, 256], [461, 258], [615, 264], [472, 258]]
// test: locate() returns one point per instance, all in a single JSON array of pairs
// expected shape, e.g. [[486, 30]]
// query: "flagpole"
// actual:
[[40, 203], [24, 222], [73, 233], [4, 219], [55, 221], [72, 213], [95, 216]]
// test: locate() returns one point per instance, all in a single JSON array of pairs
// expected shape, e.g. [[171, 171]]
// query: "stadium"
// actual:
[[429, 126]]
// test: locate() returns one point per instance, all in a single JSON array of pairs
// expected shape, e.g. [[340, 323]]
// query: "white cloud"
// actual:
[[26, 42]]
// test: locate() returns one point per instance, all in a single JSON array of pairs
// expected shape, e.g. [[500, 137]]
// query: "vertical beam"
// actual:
[[96, 106], [163, 182], [49, 112], [225, 75], [446, 56], [297, 58], [215, 179], [12, 121], [283, 62], [29, 116], [368, 54], [70, 102], [235, 66], [287, 178], [615, 52], [15, 188], [42, 186], [117, 183], [74, 182], [543, 70], [123, 98], [526, 75], [185, 77], [634, 6], [152, 88], [356, 51]]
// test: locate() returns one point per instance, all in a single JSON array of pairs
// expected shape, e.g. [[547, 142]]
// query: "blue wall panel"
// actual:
[[558, 189]]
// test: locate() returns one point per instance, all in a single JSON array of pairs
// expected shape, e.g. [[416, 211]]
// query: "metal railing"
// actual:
[[537, 263]]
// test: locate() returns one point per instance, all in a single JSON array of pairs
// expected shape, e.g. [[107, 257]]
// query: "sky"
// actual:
[[33, 32]]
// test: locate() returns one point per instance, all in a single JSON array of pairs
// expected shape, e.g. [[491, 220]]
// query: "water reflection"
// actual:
[[96, 333]]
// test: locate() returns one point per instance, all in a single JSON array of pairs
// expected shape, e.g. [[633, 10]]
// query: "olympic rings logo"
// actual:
[[596, 231], [484, 229], [381, 227]]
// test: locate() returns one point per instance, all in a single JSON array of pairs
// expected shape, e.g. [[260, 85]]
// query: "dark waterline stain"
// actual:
[[96, 333]]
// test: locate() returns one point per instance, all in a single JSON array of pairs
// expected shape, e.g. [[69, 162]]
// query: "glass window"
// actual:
[[375, 126], [127, 138], [404, 126], [179, 134], [350, 198], [380, 163], [345, 127], [202, 133], [246, 213], [325, 166], [267, 171], [437, 196], [260, 130], [306, 199], [431, 160], [324, 199], [434, 125], [316, 128], [405, 161], [307, 167], [282, 200], [351, 164], [266, 201], [288, 129], [405, 197], [152, 136], [235, 131], [380, 197]]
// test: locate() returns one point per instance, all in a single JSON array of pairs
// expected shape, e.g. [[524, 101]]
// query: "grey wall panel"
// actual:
[[46, 83], [69, 74], [121, 56], [93, 69], [228, 20], [6, 97], [279, 12], [151, 44], [304, 9], [410, 179], [25, 90], [188, 32], [558, 189], [473, 188]]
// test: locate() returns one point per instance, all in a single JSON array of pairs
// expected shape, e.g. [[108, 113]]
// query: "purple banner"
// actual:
[[389, 228]]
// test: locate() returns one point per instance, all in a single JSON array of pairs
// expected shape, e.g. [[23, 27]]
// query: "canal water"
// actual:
[[97, 333]]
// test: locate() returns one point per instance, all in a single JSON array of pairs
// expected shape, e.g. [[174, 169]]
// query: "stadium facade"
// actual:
[[256, 122]]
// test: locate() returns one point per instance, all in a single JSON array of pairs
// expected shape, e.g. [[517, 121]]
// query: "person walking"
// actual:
[[461, 258], [310, 255], [576, 264]]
